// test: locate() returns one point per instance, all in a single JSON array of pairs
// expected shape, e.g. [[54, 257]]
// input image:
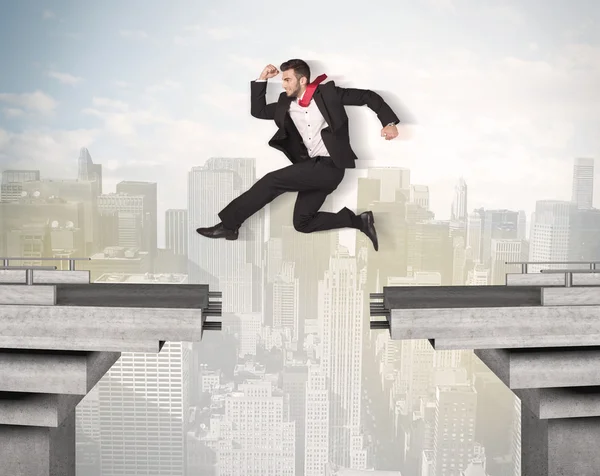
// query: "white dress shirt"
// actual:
[[310, 122]]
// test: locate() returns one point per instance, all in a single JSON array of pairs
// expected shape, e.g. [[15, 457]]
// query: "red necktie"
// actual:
[[310, 90]]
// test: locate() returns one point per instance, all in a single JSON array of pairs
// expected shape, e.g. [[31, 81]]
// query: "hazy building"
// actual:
[[583, 183]]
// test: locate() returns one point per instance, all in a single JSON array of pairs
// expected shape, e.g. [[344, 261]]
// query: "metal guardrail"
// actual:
[[7, 260], [524, 264]]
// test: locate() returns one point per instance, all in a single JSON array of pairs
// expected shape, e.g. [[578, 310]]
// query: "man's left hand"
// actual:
[[389, 132]]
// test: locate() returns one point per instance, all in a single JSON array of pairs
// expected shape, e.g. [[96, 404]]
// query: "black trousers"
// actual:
[[313, 179]]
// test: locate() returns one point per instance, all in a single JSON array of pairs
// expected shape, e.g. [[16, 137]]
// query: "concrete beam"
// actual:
[[36, 409], [550, 279], [544, 368], [60, 276], [423, 297], [93, 343], [58, 372], [12, 276], [114, 323], [552, 403], [572, 296], [494, 322], [190, 296], [24, 294], [514, 342]]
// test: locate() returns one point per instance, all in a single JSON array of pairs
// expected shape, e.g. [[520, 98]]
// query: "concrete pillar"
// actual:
[[559, 447], [39, 451]]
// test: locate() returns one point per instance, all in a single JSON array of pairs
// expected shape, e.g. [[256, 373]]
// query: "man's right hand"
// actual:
[[270, 71]]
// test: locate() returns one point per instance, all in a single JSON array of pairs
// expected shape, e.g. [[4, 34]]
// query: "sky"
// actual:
[[502, 93]]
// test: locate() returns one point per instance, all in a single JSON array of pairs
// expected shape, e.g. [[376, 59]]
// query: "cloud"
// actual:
[[121, 84], [65, 78], [195, 35], [442, 6], [13, 112], [53, 152], [224, 33], [36, 102], [166, 85], [48, 15], [135, 34]]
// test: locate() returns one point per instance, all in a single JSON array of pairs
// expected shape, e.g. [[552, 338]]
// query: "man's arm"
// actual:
[[258, 104], [258, 90], [362, 97]]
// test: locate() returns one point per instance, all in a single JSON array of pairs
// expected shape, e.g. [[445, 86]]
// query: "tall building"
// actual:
[[147, 190], [12, 183], [69, 190], [295, 384], [550, 231], [419, 194], [584, 235], [257, 436], [583, 183], [318, 429], [231, 267], [121, 220], [142, 413], [454, 430], [475, 234], [504, 251], [87, 171], [459, 203], [341, 310], [392, 179], [176, 231], [500, 225]]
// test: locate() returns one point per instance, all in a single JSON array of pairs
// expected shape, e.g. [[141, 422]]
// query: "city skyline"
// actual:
[[328, 328], [478, 107]]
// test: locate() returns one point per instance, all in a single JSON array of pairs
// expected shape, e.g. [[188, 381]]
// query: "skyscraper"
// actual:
[[550, 231], [149, 213], [340, 306], [459, 203], [583, 183], [87, 171], [176, 231]]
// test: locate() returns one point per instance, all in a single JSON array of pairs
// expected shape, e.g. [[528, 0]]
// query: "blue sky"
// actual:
[[500, 90]]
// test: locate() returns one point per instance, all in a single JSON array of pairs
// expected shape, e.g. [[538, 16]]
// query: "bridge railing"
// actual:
[[6, 261]]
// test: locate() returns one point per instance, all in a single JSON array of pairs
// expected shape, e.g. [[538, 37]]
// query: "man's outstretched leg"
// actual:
[[313, 179], [295, 177], [308, 218]]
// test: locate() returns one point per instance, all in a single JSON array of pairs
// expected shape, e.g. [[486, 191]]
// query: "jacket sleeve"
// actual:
[[362, 97], [258, 104]]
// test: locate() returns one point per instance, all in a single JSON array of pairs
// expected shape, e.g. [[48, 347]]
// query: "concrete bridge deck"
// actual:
[[540, 334], [60, 334]]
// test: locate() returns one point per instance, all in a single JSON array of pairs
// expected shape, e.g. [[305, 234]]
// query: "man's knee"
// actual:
[[302, 223]]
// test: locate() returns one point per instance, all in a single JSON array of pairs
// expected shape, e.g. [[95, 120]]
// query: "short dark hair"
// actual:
[[300, 68]]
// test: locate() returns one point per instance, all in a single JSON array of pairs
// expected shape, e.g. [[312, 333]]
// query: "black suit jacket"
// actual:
[[330, 100]]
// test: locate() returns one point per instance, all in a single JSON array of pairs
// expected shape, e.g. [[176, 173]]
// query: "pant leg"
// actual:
[[308, 219], [308, 175]]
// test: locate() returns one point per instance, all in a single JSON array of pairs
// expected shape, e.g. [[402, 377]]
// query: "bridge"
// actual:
[[60, 334], [539, 333]]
